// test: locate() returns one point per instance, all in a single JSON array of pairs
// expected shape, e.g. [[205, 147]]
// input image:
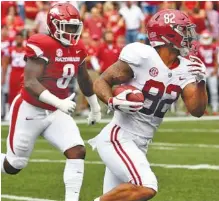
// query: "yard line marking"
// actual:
[[184, 145], [166, 119], [14, 197], [194, 130], [162, 130], [153, 144], [192, 167], [163, 148]]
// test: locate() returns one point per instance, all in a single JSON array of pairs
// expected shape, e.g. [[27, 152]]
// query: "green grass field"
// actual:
[[176, 143]]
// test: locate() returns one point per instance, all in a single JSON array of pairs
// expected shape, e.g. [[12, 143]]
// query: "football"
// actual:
[[135, 96]]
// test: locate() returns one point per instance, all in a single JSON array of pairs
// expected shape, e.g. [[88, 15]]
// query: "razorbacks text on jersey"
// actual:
[[160, 85], [62, 64]]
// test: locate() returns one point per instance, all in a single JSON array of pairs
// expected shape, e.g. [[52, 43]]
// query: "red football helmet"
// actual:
[[64, 23], [206, 38], [172, 27]]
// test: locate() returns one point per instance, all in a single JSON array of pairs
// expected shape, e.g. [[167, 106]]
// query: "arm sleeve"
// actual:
[[189, 79], [130, 55], [35, 49]]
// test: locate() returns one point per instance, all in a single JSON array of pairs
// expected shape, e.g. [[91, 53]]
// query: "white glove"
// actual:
[[94, 117], [95, 114], [67, 105], [120, 102], [197, 68]]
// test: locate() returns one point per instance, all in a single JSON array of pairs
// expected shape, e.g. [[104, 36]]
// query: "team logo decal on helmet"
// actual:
[[172, 27]]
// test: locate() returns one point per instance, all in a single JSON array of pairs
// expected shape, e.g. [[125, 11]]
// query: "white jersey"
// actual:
[[160, 85]]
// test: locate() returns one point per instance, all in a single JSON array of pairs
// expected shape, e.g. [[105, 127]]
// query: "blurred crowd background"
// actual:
[[108, 27]]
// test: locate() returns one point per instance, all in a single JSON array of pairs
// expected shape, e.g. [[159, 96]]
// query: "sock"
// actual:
[[73, 177], [97, 199], [2, 163]]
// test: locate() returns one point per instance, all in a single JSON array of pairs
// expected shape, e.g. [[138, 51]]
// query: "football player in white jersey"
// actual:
[[162, 73]]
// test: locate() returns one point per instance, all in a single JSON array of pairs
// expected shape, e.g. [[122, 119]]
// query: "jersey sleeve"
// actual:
[[189, 79], [135, 54], [35, 48]]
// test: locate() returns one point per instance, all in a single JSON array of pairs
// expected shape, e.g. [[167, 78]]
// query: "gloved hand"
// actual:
[[120, 102], [94, 116], [197, 68], [67, 105]]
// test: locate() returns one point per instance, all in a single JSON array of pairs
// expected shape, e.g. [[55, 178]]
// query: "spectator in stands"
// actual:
[[5, 44], [108, 53], [120, 42], [196, 14], [114, 21], [213, 19], [13, 20], [95, 24], [134, 20], [167, 5], [15, 58], [21, 9], [40, 22], [31, 10], [208, 54], [5, 5], [91, 51], [142, 38]]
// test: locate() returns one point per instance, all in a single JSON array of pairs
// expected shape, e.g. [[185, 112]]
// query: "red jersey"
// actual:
[[207, 53], [107, 55], [5, 44], [95, 26], [16, 55], [62, 65]]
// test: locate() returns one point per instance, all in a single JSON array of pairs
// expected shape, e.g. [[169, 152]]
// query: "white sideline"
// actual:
[[192, 167], [166, 119], [14, 197]]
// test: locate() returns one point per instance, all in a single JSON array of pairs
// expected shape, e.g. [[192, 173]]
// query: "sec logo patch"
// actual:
[[59, 52], [153, 72]]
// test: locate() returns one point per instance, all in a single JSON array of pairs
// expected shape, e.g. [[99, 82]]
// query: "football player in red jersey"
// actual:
[[207, 52], [163, 73], [43, 107], [15, 57]]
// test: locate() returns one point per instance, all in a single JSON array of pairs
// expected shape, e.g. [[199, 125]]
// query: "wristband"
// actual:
[[49, 98], [93, 102]]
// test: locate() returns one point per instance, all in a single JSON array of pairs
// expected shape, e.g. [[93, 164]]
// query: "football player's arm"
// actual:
[[32, 74], [86, 85], [118, 73], [195, 98]]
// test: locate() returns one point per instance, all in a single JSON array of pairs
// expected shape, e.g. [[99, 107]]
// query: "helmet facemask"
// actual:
[[189, 35], [68, 32]]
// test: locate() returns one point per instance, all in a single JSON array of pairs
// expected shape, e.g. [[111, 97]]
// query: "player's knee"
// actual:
[[15, 165], [77, 152]]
